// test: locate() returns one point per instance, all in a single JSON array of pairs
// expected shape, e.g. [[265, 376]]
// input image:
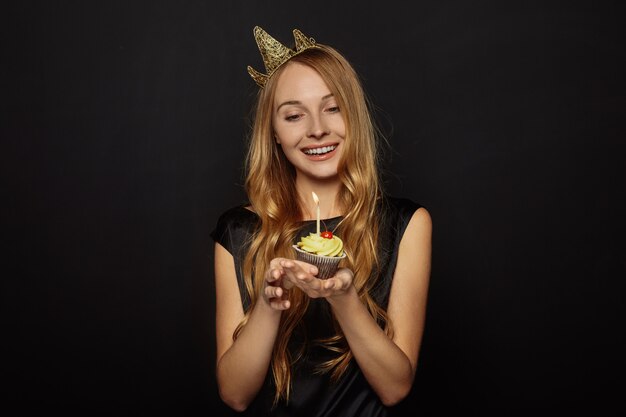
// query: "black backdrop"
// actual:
[[122, 141]]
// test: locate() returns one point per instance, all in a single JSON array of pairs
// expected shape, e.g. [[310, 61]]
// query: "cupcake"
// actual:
[[324, 250]]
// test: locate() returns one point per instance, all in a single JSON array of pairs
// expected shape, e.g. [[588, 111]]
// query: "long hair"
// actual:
[[270, 186]]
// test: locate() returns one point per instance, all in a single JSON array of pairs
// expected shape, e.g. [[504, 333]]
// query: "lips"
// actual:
[[322, 150], [320, 153]]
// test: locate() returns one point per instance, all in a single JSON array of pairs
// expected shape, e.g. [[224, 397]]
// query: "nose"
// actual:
[[317, 128]]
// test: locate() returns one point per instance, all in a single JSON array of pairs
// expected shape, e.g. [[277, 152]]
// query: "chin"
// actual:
[[323, 176]]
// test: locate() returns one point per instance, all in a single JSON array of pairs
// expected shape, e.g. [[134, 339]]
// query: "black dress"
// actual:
[[313, 394]]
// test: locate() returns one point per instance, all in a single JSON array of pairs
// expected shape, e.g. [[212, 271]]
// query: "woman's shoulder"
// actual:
[[233, 221], [402, 207], [397, 212], [239, 212]]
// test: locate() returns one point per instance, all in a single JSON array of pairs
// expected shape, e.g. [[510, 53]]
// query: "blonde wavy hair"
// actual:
[[270, 186]]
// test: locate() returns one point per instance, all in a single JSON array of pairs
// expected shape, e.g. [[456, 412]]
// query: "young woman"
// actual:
[[289, 343]]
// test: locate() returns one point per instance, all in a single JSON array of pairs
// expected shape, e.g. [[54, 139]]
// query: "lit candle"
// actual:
[[317, 201]]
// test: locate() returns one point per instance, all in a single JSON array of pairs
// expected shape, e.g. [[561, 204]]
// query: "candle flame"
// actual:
[[317, 200]]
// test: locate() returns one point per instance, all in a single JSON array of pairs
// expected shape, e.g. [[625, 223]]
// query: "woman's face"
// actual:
[[307, 122]]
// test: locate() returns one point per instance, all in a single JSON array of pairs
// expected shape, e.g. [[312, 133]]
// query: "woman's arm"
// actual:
[[242, 365], [388, 365]]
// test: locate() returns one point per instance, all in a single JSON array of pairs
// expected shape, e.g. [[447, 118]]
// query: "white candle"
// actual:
[[317, 201]]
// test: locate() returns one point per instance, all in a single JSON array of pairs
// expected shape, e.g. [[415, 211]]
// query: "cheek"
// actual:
[[287, 135], [286, 142], [339, 127], [290, 153]]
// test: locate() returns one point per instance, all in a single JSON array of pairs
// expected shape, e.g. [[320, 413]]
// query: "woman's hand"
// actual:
[[276, 289], [302, 275]]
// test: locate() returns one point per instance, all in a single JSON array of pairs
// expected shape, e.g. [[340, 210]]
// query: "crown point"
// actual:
[[259, 78], [257, 30], [275, 54], [302, 41]]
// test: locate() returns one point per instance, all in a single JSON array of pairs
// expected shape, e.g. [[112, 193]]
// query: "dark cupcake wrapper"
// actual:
[[326, 265]]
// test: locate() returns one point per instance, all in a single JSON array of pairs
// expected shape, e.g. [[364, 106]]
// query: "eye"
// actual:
[[292, 117], [333, 109]]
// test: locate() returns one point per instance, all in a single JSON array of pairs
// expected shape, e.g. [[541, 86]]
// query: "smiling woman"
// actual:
[[308, 124], [291, 341]]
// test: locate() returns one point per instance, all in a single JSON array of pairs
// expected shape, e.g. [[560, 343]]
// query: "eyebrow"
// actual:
[[290, 102]]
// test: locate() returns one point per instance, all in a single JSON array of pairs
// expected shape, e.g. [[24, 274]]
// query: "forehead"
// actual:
[[299, 82]]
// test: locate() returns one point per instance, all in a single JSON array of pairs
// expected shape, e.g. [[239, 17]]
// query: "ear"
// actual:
[[276, 138]]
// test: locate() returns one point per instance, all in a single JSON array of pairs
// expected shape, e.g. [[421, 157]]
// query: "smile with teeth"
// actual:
[[320, 151]]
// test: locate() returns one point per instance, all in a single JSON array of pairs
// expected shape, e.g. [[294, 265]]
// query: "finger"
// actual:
[[301, 271], [274, 275], [287, 264], [345, 277], [303, 279], [275, 264], [330, 284], [310, 268], [273, 292], [280, 304], [292, 263], [291, 269], [313, 270]]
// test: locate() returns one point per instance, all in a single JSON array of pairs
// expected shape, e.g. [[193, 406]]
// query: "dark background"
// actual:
[[123, 126]]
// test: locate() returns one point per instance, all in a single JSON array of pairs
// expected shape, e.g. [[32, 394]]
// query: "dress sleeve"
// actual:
[[221, 233], [406, 208], [233, 229], [395, 216]]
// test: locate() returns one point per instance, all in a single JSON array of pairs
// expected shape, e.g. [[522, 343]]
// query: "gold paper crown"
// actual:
[[275, 53]]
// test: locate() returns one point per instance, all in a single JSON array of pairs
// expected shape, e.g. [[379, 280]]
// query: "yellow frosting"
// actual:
[[314, 243]]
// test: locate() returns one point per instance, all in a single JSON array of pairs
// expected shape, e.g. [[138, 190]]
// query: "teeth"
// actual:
[[320, 151]]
